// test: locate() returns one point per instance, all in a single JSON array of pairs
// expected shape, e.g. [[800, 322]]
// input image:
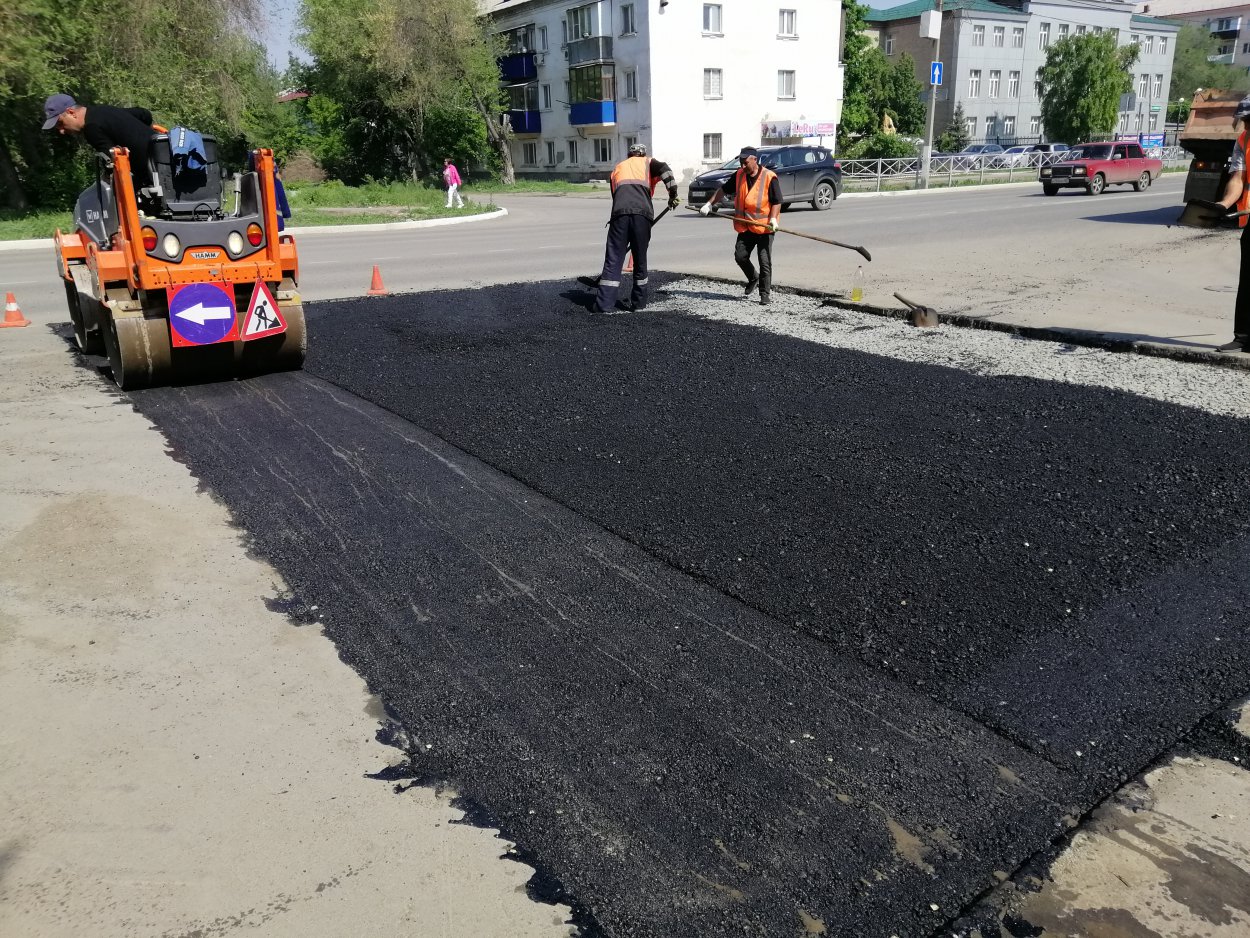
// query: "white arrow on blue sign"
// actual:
[[935, 73], [202, 313]]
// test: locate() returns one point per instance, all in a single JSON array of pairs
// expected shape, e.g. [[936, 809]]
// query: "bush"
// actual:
[[880, 147]]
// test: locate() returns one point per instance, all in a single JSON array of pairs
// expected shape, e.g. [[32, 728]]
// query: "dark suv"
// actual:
[[806, 174]]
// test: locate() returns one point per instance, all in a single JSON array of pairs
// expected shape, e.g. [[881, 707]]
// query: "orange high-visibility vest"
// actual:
[[751, 201], [634, 171], [1243, 203]]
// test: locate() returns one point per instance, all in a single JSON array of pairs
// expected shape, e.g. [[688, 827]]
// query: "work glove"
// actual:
[[706, 209], [772, 224], [674, 202]]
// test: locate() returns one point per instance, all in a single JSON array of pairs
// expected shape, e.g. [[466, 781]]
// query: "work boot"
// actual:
[[750, 288], [1237, 345], [765, 299]]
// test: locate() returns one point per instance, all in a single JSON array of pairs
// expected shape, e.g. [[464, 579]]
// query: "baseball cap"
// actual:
[[747, 151], [1243, 108], [54, 107]]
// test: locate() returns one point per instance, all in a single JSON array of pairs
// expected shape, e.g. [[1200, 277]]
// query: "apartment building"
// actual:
[[992, 53], [1228, 23], [693, 81]]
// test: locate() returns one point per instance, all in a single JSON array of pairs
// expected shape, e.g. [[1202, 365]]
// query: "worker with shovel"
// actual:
[[1236, 201], [757, 203], [629, 229]]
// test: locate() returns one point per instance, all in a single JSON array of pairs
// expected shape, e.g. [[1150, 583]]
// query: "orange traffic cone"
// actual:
[[12, 315], [629, 263], [376, 288]]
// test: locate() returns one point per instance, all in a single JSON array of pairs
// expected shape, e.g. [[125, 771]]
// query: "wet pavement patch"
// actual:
[[728, 630]]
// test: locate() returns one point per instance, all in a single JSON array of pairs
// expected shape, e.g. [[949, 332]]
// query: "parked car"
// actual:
[[806, 174], [1094, 166], [1051, 152], [1016, 156], [974, 156]]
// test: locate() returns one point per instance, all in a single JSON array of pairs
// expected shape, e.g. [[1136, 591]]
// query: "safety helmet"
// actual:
[[1243, 109], [637, 149]]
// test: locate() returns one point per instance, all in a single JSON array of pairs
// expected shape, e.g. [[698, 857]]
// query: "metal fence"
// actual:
[[950, 170]]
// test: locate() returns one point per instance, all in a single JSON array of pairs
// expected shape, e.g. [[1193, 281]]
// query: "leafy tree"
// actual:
[[881, 146], [874, 85], [1191, 70], [1082, 81], [954, 138]]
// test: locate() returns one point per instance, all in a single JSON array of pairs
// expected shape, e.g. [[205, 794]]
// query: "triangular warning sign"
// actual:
[[263, 316]]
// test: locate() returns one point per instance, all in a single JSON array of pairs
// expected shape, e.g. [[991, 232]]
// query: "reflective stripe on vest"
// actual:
[[635, 171], [751, 201], [1243, 202]]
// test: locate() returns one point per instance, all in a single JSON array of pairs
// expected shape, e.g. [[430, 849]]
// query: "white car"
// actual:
[[1016, 156]]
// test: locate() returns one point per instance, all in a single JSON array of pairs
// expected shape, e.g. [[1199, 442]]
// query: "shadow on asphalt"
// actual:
[[1155, 216]]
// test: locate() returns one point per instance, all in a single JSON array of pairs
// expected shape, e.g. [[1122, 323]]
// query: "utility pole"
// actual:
[[931, 26]]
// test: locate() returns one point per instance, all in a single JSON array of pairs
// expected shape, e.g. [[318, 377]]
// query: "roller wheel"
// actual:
[[138, 351], [86, 321], [283, 352]]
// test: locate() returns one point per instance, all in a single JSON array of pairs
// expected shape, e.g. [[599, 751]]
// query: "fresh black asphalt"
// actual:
[[732, 632]]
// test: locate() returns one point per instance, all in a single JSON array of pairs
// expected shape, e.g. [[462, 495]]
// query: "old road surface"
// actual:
[[729, 632]]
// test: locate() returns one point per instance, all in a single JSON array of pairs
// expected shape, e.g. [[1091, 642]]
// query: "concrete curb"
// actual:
[[35, 243]]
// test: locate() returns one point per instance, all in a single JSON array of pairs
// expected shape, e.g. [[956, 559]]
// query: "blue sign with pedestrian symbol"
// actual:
[[201, 313], [935, 73]]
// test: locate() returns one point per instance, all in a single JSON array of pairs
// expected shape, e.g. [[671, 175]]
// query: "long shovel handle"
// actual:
[[801, 234]]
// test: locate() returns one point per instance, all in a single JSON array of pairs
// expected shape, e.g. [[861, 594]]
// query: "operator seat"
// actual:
[[191, 193]]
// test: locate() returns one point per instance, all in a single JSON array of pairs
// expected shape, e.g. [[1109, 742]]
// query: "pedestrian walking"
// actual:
[[451, 176], [1237, 199], [757, 203], [629, 228]]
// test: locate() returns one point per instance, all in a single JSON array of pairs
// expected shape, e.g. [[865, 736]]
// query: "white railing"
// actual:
[[989, 167]]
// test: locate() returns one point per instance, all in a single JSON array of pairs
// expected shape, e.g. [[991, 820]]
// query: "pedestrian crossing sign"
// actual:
[[263, 316]]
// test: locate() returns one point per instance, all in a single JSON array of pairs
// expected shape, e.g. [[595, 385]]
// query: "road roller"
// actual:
[[175, 278]]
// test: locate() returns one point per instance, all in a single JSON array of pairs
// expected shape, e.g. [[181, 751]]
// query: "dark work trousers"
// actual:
[[625, 233], [763, 245], [1241, 314]]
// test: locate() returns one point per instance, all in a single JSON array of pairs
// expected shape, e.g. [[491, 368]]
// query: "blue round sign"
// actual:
[[202, 313]]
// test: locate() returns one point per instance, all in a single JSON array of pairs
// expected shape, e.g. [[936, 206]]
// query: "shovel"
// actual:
[[800, 234]]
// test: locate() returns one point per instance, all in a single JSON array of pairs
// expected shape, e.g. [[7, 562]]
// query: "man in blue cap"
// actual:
[[104, 127], [1237, 199]]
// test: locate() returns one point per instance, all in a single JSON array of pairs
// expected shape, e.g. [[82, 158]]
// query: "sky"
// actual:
[[279, 31]]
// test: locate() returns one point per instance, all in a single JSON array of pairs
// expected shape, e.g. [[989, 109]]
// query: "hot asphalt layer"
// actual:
[[796, 632]]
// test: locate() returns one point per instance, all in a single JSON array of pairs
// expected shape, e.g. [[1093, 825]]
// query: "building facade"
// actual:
[[1227, 23], [992, 54], [695, 82]]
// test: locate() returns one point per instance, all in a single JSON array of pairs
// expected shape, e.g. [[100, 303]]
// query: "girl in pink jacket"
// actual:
[[452, 177]]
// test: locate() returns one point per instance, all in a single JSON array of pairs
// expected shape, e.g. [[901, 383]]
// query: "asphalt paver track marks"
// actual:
[[693, 766]]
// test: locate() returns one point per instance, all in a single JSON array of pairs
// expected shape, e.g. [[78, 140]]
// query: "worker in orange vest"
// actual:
[[1237, 199], [757, 203], [629, 229]]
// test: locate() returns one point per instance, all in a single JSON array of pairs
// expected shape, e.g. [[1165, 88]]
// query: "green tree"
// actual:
[[955, 139], [874, 86], [1191, 70], [1081, 84]]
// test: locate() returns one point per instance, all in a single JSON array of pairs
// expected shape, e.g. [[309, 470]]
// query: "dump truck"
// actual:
[[1209, 135], [172, 282]]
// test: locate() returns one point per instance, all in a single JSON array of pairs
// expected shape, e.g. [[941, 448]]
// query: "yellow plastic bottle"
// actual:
[[857, 285]]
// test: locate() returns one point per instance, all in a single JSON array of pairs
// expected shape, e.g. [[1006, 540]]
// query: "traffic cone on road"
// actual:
[[629, 263], [12, 315], [376, 288]]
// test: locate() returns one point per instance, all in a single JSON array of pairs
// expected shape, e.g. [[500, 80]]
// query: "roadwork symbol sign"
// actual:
[[202, 313], [263, 316]]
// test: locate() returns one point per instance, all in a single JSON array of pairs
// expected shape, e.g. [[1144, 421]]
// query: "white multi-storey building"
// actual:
[[1228, 21], [693, 81]]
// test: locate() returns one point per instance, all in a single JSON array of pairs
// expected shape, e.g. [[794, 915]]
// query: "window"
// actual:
[[1115, 34], [1154, 121], [1245, 47], [627, 20], [978, 35], [712, 83], [1225, 49], [1138, 121], [1013, 84], [1157, 88], [631, 84], [785, 84], [629, 142], [1000, 33], [1017, 37], [568, 93], [1035, 125], [712, 147], [546, 95], [578, 22], [889, 45], [1141, 85], [1134, 39], [1223, 25], [1080, 29], [1043, 36], [1063, 30], [592, 83], [1124, 122], [572, 151], [970, 126], [529, 154], [1149, 45], [551, 153], [523, 97], [1163, 45], [711, 18], [1037, 84], [603, 150], [989, 127], [1009, 126], [542, 38], [974, 83], [787, 23], [1097, 30], [996, 78]]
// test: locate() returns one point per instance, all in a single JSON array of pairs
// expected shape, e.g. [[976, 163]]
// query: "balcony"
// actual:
[[521, 66], [1225, 59], [525, 122], [585, 51], [1226, 28], [592, 112]]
